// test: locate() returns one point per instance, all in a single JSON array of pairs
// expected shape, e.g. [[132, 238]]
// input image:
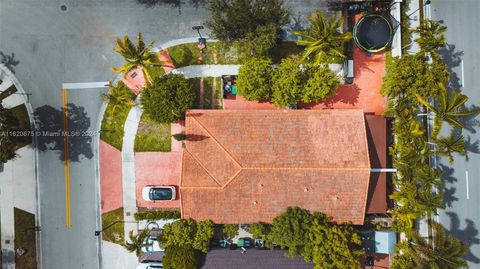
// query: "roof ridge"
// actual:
[[203, 167], [218, 143]]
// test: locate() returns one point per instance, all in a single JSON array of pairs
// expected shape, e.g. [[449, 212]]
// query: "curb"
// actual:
[[33, 126]]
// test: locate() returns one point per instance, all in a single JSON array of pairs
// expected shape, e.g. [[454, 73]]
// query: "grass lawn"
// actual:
[[114, 233], [208, 101], [156, 71], [21, 114], [284, 50], [152, 136], [114, 120], [25, 238]]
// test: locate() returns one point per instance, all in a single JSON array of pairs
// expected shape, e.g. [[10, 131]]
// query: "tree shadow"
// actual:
[[452, 58], [468, 235], [470, 122], [194, 137], [448, 196], [50, 133], [9, 61], [447, 174], [471, 147], [346, 94]]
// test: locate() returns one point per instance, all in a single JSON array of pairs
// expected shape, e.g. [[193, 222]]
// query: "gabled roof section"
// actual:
[[249, 166]]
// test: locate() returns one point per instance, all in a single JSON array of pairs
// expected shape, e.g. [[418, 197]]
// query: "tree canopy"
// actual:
[[180, 258], [230, 230], [167, 99], [323, 41], [321, 84], [255, 79], [8, 123], [233, 20], [288, 81], [431, 35], [135, 56]]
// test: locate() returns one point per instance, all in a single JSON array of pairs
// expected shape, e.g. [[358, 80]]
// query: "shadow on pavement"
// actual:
[[468, 235], [9, 61], [448, 193], [452, 58], [50, 127], [471, 146]]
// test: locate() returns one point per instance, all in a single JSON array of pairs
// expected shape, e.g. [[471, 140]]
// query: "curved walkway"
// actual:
[[18, 178]]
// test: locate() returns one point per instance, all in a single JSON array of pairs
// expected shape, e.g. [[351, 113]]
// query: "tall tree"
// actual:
[[444, 252], [254, 79], [137, 242], [288, 83], [450, 108], [290, 230], [333, 246], [180, 233], [232, 20], [431, 36], [118, 95], [323, 40], [168, 98], [321, 84], [180, 258], [447, 145], [135, 56], [8, 123], [203, 235]]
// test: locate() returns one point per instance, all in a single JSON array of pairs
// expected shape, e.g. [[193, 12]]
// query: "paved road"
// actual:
[[53, 46], [462, 215]]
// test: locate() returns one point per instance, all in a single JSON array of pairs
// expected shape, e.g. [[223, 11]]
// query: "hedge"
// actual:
[[157, 215]]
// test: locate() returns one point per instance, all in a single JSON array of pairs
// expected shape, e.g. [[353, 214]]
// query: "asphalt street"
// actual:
[[54, 42], [462, 215]]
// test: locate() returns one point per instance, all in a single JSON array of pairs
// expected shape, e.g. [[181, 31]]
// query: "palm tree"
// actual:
[[443, 252], [431, 35], [447, 145], [118, 96], [323, 40], [135, 56], [137, 242], [450, 107]]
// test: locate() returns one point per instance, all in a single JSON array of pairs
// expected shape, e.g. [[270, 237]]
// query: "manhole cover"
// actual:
[[63, 7]]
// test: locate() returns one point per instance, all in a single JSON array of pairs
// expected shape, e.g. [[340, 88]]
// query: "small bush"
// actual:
[[230, 230]]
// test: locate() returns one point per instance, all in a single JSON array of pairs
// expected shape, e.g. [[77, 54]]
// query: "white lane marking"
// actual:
[[85, 85], [463, 75], [466, 177], [383, 170]]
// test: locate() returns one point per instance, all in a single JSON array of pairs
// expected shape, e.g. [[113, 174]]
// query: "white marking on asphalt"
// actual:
[[383, 170], [463, 75], [85, 85], [466, 177]]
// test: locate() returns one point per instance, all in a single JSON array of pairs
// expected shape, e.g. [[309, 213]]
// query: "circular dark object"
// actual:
[[63, 7], [373, 33]]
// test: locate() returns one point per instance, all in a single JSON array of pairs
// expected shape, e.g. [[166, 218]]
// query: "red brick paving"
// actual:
[[166, 60], [157, 168], [111, 190], [136, 82]]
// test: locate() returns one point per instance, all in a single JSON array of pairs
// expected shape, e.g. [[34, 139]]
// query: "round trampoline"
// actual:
[[373, 33]]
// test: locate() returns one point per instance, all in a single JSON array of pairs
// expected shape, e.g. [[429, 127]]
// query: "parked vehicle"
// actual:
[[158, 193]]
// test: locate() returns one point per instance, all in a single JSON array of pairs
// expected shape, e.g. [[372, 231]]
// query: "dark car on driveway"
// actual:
[[158, 193]]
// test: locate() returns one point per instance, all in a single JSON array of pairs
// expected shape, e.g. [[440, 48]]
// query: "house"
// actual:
[[247, 166]]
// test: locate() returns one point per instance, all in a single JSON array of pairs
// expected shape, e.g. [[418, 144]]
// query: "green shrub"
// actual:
[[157, 215], [167, 99], [254, 79], [181, 258], [230, 230]]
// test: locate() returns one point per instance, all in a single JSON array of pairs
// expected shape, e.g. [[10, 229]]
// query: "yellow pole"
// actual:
[[68, 222]]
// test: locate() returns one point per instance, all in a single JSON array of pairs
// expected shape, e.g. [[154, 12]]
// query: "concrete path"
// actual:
[[128, 168], [115, 256], [208, 70]]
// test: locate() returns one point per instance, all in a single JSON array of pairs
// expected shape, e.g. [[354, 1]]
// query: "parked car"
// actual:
[[150, 265], [158, 193]]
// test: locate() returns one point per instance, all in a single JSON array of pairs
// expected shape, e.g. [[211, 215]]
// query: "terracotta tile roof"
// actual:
[[248, 166]]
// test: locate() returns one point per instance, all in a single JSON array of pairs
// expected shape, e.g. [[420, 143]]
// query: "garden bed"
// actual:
[[25, 238], [21, 114], [188, 54], [152, 136], [115, 233], [209, 99], [114, 120]]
